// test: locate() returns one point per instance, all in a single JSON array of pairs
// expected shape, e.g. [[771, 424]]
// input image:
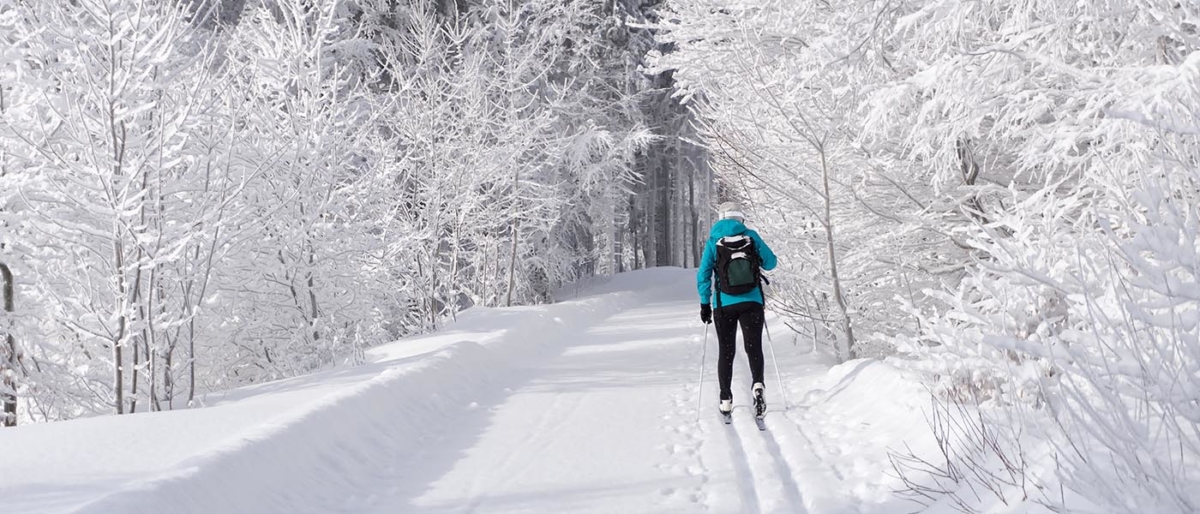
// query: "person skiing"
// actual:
[[735, 255]]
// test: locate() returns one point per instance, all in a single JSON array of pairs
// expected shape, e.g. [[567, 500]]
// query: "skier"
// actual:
[[735, 255]]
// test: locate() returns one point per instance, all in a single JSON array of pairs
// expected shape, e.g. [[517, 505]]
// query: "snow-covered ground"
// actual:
[[588, 405]]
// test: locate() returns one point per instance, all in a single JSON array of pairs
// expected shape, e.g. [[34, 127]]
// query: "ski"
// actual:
[[727, 417], [762, 424]]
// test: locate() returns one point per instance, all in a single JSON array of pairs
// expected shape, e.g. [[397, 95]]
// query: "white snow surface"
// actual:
[[587, 405]]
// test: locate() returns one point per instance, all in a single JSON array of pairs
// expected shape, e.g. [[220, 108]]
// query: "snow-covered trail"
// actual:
[[587, 405], [588, 430], [609, 425]]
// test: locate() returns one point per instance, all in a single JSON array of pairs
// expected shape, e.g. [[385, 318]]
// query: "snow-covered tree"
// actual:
[[98, 128], [997, 168], [777, 88], [202, 194]]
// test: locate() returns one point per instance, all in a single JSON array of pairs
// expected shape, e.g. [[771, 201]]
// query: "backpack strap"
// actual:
[[717, 276]]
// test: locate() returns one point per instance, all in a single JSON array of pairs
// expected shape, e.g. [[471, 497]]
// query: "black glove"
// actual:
[[706, 313]]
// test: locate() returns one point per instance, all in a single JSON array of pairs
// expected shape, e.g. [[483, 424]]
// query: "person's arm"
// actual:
[[704, 274], [764, 252]]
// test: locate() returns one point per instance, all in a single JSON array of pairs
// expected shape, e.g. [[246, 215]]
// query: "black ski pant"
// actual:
[[727, 318]]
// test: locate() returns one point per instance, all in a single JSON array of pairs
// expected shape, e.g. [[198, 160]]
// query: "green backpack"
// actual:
[[737, 265]]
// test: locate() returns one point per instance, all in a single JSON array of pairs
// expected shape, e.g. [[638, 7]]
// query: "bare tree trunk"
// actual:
[[663, 232], [117, 138], [8, 362], [695, 215], [650, 225], [152, 342], [812, 315], [481, 276], [833, 272], [634, 231], [122, 291], [433, 287], [8, 348], [512, 267], [192, 356], [151, 371], [168, 383], [512, 264], [969, 168], [122, 323], [133, 376], [454, 302], [314, 311], [136, 300]]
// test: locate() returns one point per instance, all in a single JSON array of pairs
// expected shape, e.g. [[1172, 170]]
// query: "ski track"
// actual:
[[772, 486], [740, 460], [791, 489]]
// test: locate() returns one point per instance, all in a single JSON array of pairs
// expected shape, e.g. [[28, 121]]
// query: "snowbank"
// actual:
[[864, 410], [855, 415]]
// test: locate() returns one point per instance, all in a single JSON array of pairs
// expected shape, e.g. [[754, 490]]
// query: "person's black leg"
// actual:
[[752, 327], [727, 342]]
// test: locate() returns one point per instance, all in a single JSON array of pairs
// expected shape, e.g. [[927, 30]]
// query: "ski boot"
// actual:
[[760, 400]]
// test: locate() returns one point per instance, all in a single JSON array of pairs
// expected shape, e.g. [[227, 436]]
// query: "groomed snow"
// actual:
[[587, 405]]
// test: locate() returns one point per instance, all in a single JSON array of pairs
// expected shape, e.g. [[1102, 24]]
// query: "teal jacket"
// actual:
[[704, 277]]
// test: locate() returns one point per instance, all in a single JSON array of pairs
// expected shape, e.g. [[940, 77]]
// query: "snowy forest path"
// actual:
[[607, 424], [593, 428], [585, 405]]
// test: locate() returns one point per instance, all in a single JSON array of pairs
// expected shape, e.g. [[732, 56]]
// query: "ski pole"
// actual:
[[703, 358], [771, 345]]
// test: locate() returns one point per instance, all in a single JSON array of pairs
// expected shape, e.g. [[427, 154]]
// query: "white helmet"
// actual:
[[731, 210]]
